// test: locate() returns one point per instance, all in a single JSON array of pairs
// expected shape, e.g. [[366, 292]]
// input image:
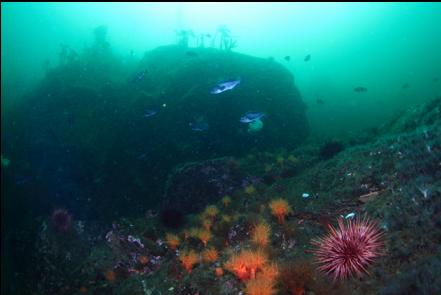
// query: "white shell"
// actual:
[[350, 215], [305, 195]]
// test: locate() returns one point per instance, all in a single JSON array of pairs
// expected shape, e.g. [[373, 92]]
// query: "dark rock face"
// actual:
[[192, 186], [172, 218], [330, 149]]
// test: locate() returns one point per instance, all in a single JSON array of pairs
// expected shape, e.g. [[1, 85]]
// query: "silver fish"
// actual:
[[224, 86], [151, 112], [250, 117], [199, 126]]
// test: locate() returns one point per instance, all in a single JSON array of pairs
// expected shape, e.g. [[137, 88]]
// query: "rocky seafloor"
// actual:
[[392, 174]]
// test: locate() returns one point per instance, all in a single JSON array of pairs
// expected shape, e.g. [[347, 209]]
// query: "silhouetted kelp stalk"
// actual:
[[226, 41], [222, 39], [183, 37]]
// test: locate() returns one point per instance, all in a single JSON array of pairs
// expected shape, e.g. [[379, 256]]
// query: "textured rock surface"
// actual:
[[393, 178], [192, 186]]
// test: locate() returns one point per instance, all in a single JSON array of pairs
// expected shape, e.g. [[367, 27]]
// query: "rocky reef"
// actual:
[[112, 129], [132, 176], [257, 239]]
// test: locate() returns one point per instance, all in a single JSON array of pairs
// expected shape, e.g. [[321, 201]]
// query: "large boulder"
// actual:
[[181, 79], [83, 137]]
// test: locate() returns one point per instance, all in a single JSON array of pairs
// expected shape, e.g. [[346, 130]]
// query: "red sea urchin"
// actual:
[[349, 249]]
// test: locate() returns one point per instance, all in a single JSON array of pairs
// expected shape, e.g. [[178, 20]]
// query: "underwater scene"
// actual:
[[220, 148]]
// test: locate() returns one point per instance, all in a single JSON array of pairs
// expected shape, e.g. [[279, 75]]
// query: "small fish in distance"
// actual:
[[199, 126], [360, 89], [151, 112], [139, 76]]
